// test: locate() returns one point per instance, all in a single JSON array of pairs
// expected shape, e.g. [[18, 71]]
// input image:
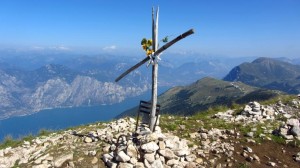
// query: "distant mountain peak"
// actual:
[[268, 73]]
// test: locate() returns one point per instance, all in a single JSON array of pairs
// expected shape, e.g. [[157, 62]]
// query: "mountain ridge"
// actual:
[[268, 73], [205, 93]]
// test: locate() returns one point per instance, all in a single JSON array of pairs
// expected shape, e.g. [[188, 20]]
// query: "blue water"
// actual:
[[56, 119]]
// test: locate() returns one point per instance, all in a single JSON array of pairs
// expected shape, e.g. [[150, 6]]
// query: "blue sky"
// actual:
[[268, 28]]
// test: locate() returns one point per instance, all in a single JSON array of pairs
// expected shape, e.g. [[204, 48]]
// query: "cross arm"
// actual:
[[160, 50]]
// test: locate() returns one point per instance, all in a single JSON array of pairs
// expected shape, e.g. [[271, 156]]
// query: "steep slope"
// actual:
[[54, 86], [205, 93], [268, 73]]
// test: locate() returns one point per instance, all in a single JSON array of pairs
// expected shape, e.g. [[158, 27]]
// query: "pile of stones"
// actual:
[[289, 130], [252, 112], [213, 146], [149, 149], [34, 153]]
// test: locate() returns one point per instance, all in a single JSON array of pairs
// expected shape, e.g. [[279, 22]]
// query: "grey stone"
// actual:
[[133, 160], [288, 137], [172, 162], [194, 135], [292, 122], [203, 135], [122, 157], [295, 131], [272, 164], [191, 157], [167, 153], [250, 134], [39, 166], [125, 165], [131, 151], [157, 164], [199, 160], [150, 147], [255, 157], [297, 157], [182, 152], [62, 158], [149, 157], [88, 140], [191, 165], [287, 115], [162, 145], [248, 149], [94, 160], [106, 157], [139, 165]]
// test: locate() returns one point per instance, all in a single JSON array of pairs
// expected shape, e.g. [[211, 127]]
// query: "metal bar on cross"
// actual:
[[154, 56]]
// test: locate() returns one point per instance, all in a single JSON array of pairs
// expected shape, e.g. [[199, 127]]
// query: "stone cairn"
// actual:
[[254, 112], [148, 149]]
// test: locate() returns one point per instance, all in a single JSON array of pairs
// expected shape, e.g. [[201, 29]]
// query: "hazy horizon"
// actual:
[[260, 28]]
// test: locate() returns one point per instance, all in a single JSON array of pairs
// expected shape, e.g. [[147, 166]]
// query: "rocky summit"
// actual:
[[257, 134]]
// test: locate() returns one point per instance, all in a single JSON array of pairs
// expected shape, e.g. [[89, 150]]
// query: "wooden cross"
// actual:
[[154, 56]]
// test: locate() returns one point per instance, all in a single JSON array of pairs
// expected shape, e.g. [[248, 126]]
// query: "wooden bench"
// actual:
[[145, 107]]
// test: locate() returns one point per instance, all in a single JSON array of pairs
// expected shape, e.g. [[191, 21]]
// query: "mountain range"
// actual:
[[54, 86], [268, 73], [32, 82], [262, 79]]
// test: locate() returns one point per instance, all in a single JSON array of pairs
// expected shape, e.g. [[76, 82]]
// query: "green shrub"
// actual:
[[44, 132], [8, 141]]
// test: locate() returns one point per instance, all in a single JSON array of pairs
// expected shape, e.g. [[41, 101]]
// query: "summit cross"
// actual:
[[154, 60]]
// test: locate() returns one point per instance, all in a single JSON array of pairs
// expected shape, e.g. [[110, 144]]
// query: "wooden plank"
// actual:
[[169, 44], [160, 50], [132, 68]]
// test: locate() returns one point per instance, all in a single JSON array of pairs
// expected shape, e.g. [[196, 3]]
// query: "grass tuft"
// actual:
[[9, 142]]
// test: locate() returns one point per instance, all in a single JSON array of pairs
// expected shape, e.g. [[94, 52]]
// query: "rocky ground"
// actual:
[[255, 135]]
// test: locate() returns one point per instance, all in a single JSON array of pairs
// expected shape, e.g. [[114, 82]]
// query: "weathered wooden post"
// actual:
[[154, 60], [154, 69]]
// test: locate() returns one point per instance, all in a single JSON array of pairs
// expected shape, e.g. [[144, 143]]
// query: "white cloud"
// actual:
[[57, 48], [109, 48], [61, 48], [37, 48]]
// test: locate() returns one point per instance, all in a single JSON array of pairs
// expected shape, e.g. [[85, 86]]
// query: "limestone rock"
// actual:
[[297, 157], [131, 151], [295, 131], [149, 157], [248, 149], [125, 165], [167, 153], [157, 164], [106, 157], [88, 140], [63, 158], [292, 122], [272, 164], [122, 157], [150, 147]]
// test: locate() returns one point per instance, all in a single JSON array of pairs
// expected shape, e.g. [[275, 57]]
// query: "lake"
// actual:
[[61, 118]]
